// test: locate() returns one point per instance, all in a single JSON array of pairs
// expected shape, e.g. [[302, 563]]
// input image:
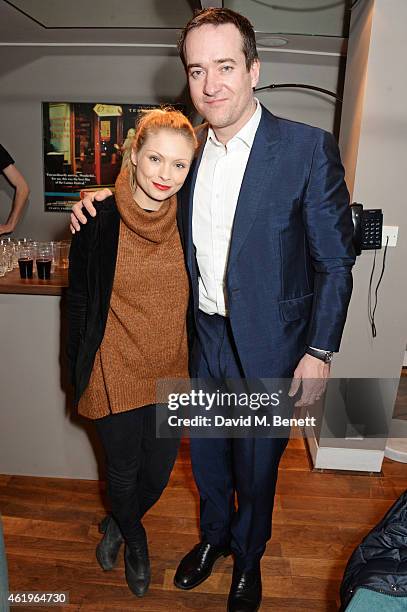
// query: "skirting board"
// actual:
[[333, 458], [396, 449]]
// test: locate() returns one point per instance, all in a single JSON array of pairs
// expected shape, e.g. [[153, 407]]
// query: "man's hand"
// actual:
[[314, 374], [77, 216]]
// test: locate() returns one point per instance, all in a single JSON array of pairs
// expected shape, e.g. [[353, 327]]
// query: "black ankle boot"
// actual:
[[137, 564], [108, 548]]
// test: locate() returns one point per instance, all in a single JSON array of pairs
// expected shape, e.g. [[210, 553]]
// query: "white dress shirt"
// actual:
[[217, 188]]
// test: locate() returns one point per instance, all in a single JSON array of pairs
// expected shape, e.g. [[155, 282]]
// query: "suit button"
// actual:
[[235, 290]]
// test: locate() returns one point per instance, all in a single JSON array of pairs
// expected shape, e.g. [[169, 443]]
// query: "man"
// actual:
[[266, 229], [16, 179]]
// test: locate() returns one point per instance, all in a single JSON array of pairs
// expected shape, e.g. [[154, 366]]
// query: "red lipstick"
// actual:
[[161, 187]]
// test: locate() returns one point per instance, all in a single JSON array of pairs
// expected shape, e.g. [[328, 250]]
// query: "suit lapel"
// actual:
[[257, 177]]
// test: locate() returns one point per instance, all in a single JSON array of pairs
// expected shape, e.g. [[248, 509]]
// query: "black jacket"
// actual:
[[92, 263], [380, 561]]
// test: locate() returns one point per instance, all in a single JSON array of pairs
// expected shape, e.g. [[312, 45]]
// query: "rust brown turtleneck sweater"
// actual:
[[145, 337]]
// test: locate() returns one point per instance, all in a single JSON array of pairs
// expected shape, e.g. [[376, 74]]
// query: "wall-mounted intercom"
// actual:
[[367, 235], [368, 227]]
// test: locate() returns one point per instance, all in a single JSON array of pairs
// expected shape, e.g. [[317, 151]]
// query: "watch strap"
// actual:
[[325, 356]]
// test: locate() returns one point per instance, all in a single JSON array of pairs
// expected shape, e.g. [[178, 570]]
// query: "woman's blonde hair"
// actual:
[[150, 122]]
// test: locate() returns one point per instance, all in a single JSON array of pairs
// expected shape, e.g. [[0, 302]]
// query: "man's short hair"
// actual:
[[219, 16]]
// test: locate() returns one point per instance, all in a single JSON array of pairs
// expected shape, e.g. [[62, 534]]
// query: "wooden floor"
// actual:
[[51, 532]]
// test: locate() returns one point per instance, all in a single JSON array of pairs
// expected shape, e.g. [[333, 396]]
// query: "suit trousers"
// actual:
[[138, 465], [225, 468]]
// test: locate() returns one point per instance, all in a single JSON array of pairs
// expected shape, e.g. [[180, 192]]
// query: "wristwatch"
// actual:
[[325, 356]]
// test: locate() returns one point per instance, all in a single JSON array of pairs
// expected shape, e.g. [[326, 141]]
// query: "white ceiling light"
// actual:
[[271, 41]]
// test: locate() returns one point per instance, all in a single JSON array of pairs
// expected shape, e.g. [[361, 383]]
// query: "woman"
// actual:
[[128, 294]]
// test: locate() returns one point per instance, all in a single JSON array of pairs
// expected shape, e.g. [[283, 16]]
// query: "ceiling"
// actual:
[[107, 13], [310, 26]]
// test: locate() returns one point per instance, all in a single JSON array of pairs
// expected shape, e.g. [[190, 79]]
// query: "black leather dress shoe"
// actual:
[[197, 565], [108, 548], [245, 592], [137, 565]]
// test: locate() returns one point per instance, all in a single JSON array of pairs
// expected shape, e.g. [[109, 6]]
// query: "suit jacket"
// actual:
[[288, 278]]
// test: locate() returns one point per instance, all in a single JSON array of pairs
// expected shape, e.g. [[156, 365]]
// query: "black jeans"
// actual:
[[138, 465]]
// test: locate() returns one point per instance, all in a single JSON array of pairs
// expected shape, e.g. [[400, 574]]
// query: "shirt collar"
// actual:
[[246, 134]]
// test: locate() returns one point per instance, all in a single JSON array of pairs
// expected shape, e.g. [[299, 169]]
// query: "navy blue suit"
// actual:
[[288, 285]]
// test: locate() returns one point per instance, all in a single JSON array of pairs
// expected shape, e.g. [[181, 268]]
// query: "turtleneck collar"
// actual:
[[153, 226]]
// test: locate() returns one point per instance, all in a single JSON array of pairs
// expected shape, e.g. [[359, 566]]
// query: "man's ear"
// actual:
[[255, 72]]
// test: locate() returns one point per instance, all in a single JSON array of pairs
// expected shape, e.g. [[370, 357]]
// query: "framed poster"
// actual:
[[82, 147]]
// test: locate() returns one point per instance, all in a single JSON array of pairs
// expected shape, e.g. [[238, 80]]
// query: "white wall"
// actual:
[[379, 135], [293, 16]]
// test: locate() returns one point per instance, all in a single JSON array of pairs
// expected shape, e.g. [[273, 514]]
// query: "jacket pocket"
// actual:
[[297, 308]]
